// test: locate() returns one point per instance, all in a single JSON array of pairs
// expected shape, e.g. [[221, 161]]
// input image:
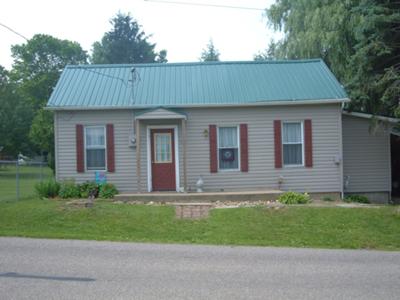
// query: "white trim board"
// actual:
[[148, 149], [160, 114], [85, 127], [239, 168], [303, 163]]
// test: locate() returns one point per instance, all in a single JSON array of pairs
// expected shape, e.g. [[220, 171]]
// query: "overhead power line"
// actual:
[[13, 31], [122, 80], [206, 4]]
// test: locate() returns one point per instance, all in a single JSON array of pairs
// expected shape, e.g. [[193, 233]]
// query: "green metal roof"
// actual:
[[194, 84]]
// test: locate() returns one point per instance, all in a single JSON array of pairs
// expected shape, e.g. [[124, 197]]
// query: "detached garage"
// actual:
[[367, 157]]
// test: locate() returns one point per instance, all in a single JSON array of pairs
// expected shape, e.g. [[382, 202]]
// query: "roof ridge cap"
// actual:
[[252, 62]]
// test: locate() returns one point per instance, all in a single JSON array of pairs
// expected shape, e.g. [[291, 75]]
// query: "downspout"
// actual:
[[341, 151], [390, 162], [55, 119]]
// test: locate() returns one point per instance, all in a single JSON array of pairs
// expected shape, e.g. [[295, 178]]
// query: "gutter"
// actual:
[[259, 103], [369, 116]]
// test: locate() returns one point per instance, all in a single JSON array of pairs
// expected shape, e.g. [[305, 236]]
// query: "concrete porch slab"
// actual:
[[259, 195]]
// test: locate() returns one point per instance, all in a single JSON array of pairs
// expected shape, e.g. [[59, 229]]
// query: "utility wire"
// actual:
[[135, 79], [13, 31], [205, 4], [105, 75]]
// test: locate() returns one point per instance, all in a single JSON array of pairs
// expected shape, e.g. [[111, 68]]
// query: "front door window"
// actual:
[[163, 153]]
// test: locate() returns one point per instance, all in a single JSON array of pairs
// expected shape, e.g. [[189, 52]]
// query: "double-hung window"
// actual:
[[292, 141], [228, 148], [95, 147]]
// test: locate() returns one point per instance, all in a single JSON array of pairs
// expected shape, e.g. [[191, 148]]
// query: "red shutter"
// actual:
[[244, 148], [110, 148], [213, 148], [278, 143], [308, 152], [80, 163]]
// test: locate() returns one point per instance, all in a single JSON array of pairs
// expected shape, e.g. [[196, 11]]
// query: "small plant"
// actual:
[[89, 188], [327, 198], [47, 189], [68, 189], [294, 198], [356, 198], [107, 190]]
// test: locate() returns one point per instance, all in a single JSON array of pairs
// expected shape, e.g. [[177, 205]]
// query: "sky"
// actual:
[[183, 30]]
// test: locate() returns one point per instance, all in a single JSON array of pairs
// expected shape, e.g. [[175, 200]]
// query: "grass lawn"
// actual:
[[328, 227], [29, 176]]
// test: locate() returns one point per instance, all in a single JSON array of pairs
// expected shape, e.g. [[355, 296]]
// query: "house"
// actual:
[[238, 125]]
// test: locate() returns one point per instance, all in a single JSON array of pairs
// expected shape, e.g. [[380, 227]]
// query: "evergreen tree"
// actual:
[[210, 53], [127, 43]]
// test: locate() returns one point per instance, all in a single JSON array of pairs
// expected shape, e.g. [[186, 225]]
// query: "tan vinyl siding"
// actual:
[[125, 163], [366, 156], [324, 176]]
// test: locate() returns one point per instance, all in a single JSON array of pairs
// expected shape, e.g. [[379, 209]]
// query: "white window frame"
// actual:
[[91, 148], [302, 144], [238, 147]]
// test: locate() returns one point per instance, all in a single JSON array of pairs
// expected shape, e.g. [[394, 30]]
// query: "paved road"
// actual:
[[65, 269]]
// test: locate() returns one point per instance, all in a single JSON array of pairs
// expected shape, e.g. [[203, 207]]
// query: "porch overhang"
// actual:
[[160, 113]]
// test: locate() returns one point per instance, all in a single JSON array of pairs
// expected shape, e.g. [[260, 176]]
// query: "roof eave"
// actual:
[[369, 116], [258, 103]]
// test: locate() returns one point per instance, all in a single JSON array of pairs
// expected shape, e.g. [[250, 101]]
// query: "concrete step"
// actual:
[[200, 197]]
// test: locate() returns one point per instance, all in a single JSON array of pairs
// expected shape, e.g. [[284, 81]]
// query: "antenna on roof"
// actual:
[[135, 77]]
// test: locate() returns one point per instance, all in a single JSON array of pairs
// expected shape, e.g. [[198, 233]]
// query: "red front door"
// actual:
[[163, 159]]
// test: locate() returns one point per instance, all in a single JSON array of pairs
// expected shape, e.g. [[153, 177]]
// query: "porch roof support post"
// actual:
[[137, 131], [184, 143]]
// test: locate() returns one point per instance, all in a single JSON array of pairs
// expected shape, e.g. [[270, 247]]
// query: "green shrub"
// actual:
[[107, 190], [68, 189], [47, 189], [89, 188], [356, 198], [294, 198]]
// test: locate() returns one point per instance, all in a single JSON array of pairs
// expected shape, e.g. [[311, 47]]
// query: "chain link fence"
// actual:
[[19, 177]]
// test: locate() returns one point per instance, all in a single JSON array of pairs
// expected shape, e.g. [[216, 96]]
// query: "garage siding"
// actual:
[[366, 156]]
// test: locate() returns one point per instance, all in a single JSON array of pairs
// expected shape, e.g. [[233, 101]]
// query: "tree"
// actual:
[[162, 57], [359, 40], [210, 53], [269, 54], [374, 80], [15, 118], [126, 43], [41, 133], [38, 64]]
